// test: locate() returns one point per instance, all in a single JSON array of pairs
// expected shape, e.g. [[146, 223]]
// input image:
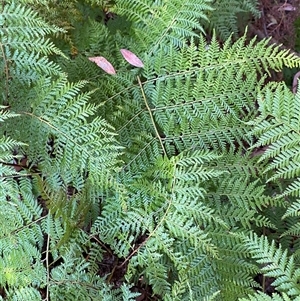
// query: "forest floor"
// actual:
[[278, 21]]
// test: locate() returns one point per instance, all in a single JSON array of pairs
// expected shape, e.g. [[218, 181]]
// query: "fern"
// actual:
[[154, 170], [172, 22], [264, 297], [280, 134], [23, 41], [276, 263], [54, 114], [199, 112], [228, 17]]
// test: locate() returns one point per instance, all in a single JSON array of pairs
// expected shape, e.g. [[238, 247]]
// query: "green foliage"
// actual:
[[150, 180], [264, 297], [276, 263], [228, 17], [277, 127]]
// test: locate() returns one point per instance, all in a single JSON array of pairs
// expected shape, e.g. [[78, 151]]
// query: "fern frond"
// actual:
[[16, 15], [276, 263], [259, 296], [171, 23], [293, 209], [165, 203], [71, 281], [187, 95], [277, 128], [24, 293], [228, 16], [154, 165], [25, 30], [23, 42], [21, 241], [59, 117]]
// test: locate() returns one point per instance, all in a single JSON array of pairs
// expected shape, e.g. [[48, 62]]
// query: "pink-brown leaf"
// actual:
[[287, 7], [104, 64], [131, 58]]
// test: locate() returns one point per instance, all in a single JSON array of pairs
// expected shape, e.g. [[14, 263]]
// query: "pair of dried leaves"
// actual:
[[106, 66]]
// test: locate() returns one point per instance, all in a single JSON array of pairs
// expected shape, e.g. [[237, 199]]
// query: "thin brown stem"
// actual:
[[48, 266], [6, 71]]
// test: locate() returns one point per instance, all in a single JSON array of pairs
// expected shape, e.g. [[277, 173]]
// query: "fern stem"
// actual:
[[47, 266], [263, 275], [157, 226], [150, 235], [49, 125], [152, 118], [6, 71], [29, 224]]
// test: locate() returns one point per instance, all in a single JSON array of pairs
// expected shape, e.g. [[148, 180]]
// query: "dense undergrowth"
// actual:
[[146, 153]]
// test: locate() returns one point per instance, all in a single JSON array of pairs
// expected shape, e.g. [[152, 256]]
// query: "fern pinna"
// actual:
[[154, 168]]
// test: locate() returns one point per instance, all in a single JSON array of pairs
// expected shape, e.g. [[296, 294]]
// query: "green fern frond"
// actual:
[[71, 281], [21, 241], [259, 296], [275, 263], [24, 293], [170, 23], [227, 16], [39, 66], [171, 208], [293, 209], [58, 115], [5, 114], [153, 167], [187, 96], [23, 39], [24, 30], [13, 16], [277, 127]]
